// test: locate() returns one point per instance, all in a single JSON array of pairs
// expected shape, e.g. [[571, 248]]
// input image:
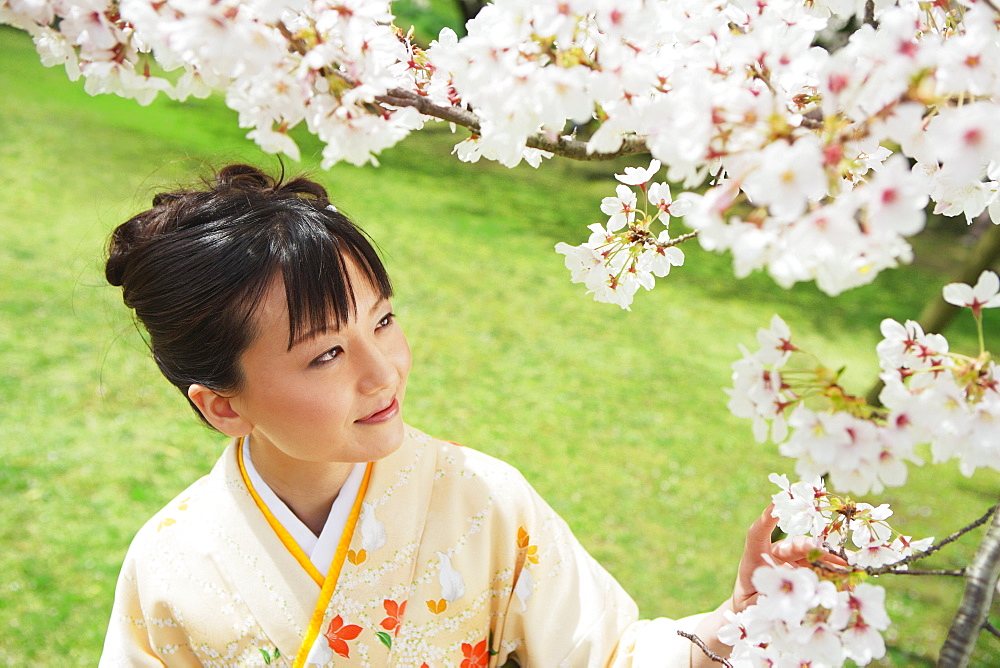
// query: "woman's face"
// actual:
[[334, 397]]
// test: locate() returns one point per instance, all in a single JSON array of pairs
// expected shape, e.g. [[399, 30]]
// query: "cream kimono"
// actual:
[[448, 559]]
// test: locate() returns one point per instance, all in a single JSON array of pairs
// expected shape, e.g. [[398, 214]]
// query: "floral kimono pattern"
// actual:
[[449, 558]]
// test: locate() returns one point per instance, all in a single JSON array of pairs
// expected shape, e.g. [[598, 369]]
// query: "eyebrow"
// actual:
[[313, 333]]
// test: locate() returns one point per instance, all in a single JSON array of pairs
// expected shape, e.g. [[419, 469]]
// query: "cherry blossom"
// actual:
[[804, 161], [621, 208], [659, 196], [796, 506], [788, 142], [639, 176], [799, 619], [985, 294]]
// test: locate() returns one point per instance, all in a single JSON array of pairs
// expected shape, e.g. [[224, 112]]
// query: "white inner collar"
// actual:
[[320, 549]]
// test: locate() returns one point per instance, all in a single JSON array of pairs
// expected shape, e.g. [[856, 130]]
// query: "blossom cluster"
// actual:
[[820, 616], [812, 162], [794, 141], [800, 619], [931, 396], [624, 254], [858, 531], [280, 62]]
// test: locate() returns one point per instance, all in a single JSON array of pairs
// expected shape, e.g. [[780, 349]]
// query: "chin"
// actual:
[[392, 440]]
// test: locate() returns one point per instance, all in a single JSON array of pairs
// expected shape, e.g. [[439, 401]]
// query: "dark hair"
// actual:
[[195, 267]]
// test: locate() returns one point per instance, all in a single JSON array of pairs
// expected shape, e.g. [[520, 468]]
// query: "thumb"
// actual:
[[759, 535], [758, 544]]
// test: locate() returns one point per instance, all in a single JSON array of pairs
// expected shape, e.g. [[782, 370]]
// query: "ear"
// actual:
[[219, 411]]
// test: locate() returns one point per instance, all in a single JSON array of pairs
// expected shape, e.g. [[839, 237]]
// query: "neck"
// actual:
[[307, 488]]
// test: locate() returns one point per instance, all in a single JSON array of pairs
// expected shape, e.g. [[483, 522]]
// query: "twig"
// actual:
[[870, 14], [936, 546], [927, 571], [564, 146], [399, 97], [677, 240], [709, 653], [989, 628]]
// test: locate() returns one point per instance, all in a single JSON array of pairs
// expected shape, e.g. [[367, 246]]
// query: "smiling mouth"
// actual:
[[383, 414]]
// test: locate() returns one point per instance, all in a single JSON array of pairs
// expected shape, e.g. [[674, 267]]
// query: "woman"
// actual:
[[331, 533]]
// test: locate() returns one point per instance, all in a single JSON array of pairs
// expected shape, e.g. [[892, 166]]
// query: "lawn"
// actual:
[[618, 418]]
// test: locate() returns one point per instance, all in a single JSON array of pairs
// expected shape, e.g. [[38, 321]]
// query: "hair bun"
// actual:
[[251, 179], [192, 207], [243, 177], [124, 240]]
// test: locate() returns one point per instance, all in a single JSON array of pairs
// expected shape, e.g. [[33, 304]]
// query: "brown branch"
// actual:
[[399, 97], [992, 630], [704, 648], [936, 546], [927, 571], [564, 146], [870, 14], [677, 240], [980, 583]]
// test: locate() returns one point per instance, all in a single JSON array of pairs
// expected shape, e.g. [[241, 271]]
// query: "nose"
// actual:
[[377, 370]]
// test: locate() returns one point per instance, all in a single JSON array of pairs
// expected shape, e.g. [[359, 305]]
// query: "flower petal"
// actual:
[[959, 294]]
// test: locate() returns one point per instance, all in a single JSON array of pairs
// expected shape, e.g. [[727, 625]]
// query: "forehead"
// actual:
[[273, 319]]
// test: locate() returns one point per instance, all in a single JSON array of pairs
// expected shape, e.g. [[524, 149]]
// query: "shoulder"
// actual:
[[461, 478], [184, 519], [466, 465]]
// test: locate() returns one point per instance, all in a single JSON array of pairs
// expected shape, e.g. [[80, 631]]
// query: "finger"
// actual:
[[801, 550], [758, 544], [759, 535]]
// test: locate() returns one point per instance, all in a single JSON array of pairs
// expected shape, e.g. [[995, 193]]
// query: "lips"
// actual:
[[383, 414]]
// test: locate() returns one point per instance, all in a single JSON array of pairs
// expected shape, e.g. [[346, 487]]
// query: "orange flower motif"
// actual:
[[437, 607], [358, 557], [395, 615], [338, 633], [524, 543], [475, 657]]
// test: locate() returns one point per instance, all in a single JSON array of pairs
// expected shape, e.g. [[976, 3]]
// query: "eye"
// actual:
[[386, 320], [327, 357]]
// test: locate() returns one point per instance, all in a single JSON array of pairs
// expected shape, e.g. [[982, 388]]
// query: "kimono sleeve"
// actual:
[[567, 610], [127, 642], [144, 631]]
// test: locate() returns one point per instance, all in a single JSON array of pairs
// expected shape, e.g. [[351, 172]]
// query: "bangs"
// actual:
[[315, 261]]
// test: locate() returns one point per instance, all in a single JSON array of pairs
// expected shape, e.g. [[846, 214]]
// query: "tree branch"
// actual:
[[677, 240], [870, 14], [927, 571], [980, 582], [704, 648], [564, 146], [936, 546], [399, 97]]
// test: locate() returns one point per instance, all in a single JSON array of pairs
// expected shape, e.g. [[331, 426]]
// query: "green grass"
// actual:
[[617, 418]]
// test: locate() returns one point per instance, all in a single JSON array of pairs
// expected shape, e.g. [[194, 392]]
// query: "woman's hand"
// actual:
[[760, 551]]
